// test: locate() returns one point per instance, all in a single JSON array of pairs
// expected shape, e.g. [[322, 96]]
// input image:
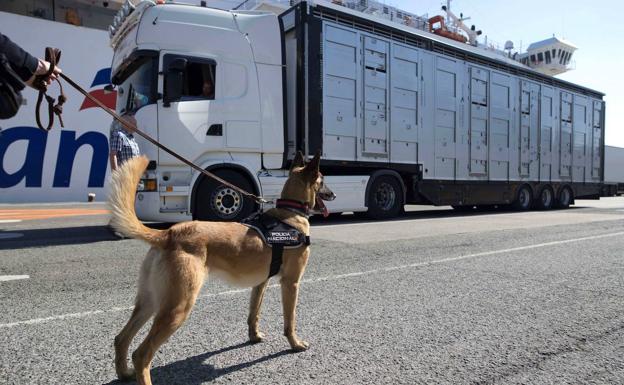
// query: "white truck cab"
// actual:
[[207, 83]]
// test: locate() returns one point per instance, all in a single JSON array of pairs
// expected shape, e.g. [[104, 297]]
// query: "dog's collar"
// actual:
[[297, 206]]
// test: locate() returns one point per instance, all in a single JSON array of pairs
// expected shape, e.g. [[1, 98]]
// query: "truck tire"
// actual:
[[546, 199], [385, 198], [565, 198], [524, 199], [215, 201]]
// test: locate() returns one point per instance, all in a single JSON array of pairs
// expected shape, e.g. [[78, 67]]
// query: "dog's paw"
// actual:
[[126, 374], [300, 346], [254, 338]]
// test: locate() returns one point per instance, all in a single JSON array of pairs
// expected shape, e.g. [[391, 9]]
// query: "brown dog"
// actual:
[[181, 258]]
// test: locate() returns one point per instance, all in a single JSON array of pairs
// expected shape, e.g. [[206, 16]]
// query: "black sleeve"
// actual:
[[23, 63]]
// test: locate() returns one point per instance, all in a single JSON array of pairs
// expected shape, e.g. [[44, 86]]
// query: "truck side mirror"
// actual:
[[174, 78]]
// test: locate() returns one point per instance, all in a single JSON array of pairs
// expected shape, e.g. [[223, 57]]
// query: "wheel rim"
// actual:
[[226, 202], [565, 197], [385, 197], [546, 198], [524, 197]]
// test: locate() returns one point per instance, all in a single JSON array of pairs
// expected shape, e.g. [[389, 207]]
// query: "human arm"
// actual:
[[114, 146], [24, 64], [113, 161]]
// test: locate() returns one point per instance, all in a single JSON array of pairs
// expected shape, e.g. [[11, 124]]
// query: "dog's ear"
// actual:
[[312, 168], [298, 161]]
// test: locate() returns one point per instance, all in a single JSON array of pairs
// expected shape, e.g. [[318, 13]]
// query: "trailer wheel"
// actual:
[[546, 199], [565, 198], [524, 199], [385, 198], [215, 201]]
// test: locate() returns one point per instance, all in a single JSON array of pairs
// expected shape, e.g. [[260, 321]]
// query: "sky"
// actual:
[[595, 27]]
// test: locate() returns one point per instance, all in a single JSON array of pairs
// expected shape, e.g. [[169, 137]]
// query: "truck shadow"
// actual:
[[11, 239], [194, 370], [350, 218], [27, 238]]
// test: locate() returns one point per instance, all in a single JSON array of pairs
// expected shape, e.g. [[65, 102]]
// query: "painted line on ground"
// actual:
[[10, 220], [36, 321], [4, 278], [29, 214]]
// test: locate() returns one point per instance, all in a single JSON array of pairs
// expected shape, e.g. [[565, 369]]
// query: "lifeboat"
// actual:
[[442, 30]]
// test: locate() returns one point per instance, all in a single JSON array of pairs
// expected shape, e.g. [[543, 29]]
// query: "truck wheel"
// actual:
[[215, 201], [524, 199], [565, 198], [385, 198], [546, 199]]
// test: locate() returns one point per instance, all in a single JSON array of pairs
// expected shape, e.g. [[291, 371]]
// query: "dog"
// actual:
[[181, 258]]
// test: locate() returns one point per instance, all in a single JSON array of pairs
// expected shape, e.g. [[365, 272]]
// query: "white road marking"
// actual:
[[10, 220], [323, 279], [10, 235], [4, 278]]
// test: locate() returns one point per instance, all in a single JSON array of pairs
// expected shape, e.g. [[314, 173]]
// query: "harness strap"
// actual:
[[276, 259], [52, 55]]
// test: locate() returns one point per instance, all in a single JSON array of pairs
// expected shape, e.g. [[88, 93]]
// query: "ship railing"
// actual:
[[370, 7]]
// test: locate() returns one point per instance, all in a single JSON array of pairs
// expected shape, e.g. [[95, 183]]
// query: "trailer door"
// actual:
[[479, 114], [565, 147], [340, 78], [404, 104], [579, 137], [529, 155], [375, 98], [446, 116], [596, 162], [546, 133], [500, 126]]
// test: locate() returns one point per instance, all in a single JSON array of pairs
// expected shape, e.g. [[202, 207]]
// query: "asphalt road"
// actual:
[[434, 297]]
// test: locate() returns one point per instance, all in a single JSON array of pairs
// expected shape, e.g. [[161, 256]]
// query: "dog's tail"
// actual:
[[121, 201]]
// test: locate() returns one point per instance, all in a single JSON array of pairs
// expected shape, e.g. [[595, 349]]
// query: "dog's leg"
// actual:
[[184, 280], [257, 295], [292, 271], [290, 292], [142, 312]]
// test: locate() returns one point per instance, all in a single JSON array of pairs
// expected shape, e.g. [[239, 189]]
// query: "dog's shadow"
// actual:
[[193, 370]]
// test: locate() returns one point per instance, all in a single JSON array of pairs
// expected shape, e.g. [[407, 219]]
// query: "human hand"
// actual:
[[42, 68]]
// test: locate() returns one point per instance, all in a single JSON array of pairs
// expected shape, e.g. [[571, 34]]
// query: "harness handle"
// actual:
[[52, 55]]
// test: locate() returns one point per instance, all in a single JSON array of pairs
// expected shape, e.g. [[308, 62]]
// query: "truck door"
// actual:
[[546, 133], [191, 121]]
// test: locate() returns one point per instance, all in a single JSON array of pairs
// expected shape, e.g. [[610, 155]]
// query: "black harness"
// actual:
[[277, 234]]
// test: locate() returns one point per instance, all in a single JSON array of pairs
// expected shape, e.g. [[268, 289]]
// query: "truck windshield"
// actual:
[[138, 83]]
